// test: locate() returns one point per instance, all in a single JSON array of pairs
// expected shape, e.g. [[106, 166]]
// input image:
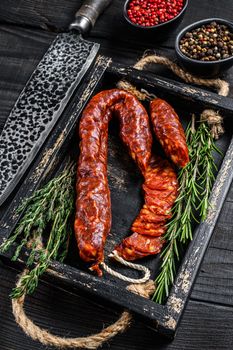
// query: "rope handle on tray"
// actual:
[[212, 117], [144, 289], [89, 342], [131, 265]]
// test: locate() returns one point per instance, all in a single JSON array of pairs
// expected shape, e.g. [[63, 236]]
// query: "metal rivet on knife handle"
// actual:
[[87, 15]]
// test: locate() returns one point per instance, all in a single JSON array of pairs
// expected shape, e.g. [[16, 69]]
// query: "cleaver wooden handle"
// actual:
[[87, 15]]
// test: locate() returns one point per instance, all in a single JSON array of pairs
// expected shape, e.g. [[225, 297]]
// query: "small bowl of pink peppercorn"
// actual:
[[154, 15]]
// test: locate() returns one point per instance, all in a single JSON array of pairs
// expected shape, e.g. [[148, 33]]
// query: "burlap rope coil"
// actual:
[[145, 289], [212, 117]]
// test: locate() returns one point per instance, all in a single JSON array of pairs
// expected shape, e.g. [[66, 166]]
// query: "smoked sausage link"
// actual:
[[93, 206], [160, 189], [169, 131]]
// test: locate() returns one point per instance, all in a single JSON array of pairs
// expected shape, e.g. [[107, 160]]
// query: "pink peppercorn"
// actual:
[[149, 13]]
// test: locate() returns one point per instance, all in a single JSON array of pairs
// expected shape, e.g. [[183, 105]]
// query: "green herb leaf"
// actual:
[[196, 180], [47, 214]]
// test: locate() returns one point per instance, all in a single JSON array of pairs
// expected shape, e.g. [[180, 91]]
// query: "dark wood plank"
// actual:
[[152, 307], [20, 52], [215, 280], [66, 314], [194, 96], [230, 195], [204, 326], [226, 216], [56, 15], [23, 49]]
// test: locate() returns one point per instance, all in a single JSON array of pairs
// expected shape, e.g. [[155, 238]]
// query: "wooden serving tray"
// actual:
[[125, 185]]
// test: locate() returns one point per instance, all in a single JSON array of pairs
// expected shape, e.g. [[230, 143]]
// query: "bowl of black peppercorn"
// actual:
[[205, 48]]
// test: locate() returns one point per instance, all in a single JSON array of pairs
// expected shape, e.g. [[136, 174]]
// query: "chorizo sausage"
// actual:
[[150, 224], [93, 207], [169, 131], [138, 246]]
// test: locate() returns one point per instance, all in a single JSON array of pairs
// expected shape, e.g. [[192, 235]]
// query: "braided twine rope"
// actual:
[[146, 287]]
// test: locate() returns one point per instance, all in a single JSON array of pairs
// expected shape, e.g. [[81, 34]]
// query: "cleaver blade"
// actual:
[[46, 95]]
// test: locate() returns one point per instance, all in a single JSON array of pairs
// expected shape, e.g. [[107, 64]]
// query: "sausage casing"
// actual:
[[150, 224], [93, 205], [169, 131]]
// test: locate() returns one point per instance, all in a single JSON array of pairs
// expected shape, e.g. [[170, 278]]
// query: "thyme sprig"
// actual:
[[196, 180], [47, 214]]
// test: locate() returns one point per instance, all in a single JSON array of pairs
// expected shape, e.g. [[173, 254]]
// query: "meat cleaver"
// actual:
[[45, 96]]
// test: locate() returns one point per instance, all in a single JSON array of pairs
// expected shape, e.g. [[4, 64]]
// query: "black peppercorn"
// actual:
[[210, 42]]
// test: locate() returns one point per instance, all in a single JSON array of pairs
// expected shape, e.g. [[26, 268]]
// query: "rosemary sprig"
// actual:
[[207, 167], [47, 212], [196, 180]]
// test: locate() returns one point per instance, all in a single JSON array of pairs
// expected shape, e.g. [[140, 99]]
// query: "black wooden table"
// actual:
[[26, 30]]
